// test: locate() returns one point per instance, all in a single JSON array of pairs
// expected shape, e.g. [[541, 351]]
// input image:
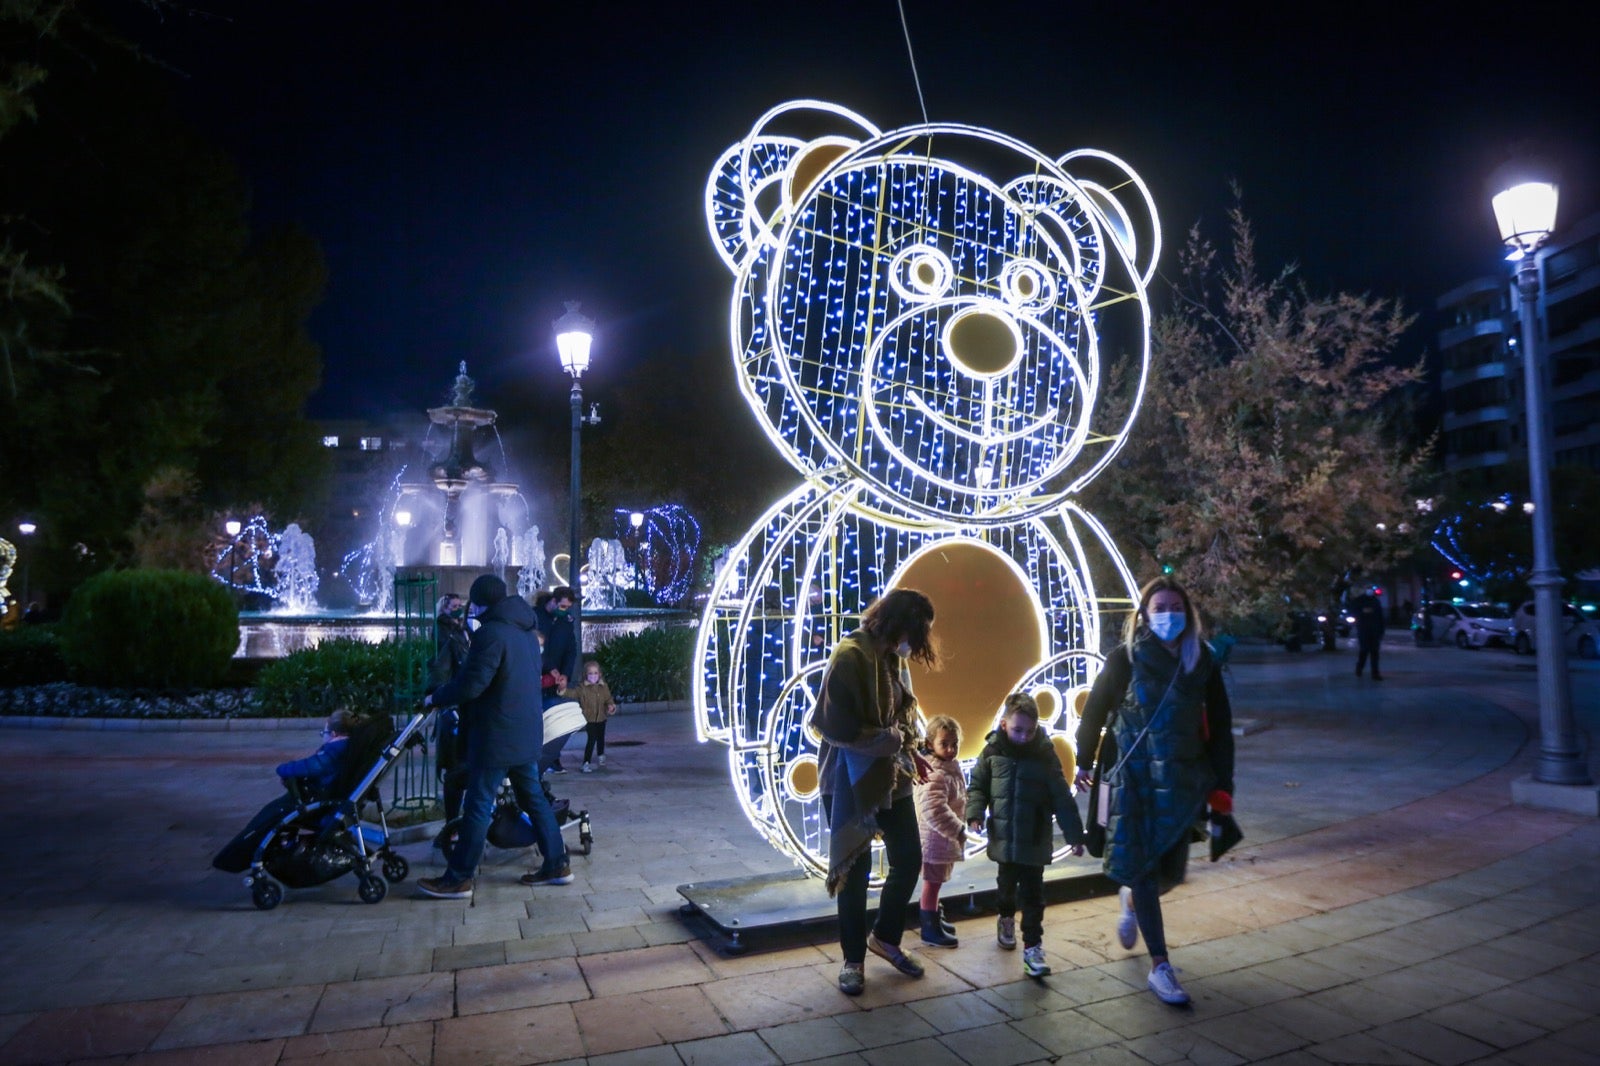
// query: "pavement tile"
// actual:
[[1351, 961], [994, 1045], [1136, 1015], [646, 1018], [1525, 1004], [229, 1017], [1431, 1041], [1498, 962], [756, 961], [412, 1041], [1464, 979], [1359, 1049], [816, 1038], [660, 1055], [1548, 1051], [395, 963], [254, 1053], [600, 941], [917, 1053], [1065, 1032], [895, 1025], [735, 1049], [620, 972], [468, 955], [1109, 1055], [1471, 1018], [1093, 985], [761, 1000], [88, 1032], [1249, 988], [1181, 1046], [1298, 972], [524, 984], [1251, 1034], [542, 947], [1361, 1003], [1024, 999], [964, 1010], [508, 1038], [385, 1001]]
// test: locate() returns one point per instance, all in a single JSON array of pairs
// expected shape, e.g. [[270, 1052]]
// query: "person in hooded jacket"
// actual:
[[1168, 754], [497, 689], [1018, 779]]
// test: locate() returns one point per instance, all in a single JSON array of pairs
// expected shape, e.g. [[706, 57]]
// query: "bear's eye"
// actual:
[[1026, 284], [921, 272]]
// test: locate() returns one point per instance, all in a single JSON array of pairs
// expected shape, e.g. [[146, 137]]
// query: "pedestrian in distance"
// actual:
[[498, 692], [1368, 611], [1019, 781], [941, 818], [1168, 754], [594, 696], [558, 661], [867, 763], [453, 641]]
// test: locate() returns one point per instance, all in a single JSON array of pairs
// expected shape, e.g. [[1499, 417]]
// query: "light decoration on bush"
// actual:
[[935, 351], [1508, 565], [278, 565], [8, 564], [664, 542]]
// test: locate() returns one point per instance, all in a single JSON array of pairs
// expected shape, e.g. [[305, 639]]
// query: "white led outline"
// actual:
[[920, 253]]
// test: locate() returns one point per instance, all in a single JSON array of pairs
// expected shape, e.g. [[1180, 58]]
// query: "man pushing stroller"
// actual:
[[498, 691]]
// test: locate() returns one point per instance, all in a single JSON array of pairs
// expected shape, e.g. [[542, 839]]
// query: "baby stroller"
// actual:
[[322, 837], [509, 827]]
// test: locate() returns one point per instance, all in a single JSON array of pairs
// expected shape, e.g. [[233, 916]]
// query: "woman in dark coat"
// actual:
[[867, 763], [1168, 754]]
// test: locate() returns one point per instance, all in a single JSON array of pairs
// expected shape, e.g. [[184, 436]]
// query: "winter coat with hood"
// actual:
[[942, 811], [498, 688], [1022, 786]]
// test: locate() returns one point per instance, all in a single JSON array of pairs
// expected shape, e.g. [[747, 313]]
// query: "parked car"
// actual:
[[1467, 625], [1580, 635]]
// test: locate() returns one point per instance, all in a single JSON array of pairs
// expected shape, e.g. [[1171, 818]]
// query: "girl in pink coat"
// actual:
[[941, 816]]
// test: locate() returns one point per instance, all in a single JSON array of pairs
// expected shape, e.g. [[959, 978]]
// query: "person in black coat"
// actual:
[[1369, 629], [497, 689], [450, 739], [558, 662]]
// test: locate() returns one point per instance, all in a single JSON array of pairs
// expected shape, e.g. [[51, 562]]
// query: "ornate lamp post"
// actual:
[[27, 529], [574, 337], [636, 523], [233, 526], [1525, 208]]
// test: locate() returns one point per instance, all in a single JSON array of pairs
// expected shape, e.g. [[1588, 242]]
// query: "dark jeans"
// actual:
[[902, 845], [1368, 648], [478, 809], [1018, 882], [1147, 890], [596, 744]]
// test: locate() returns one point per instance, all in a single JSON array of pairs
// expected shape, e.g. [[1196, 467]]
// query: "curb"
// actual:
[[236, 725]]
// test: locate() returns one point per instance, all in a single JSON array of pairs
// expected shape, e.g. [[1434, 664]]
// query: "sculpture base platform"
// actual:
[[740, 907]]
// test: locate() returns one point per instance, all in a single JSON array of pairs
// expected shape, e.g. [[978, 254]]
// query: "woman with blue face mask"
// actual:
[[1168, 754]]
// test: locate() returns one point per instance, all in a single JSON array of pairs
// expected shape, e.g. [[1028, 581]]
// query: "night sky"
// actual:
[[466, 167]]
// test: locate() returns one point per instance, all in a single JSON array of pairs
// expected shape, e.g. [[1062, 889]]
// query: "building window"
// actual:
[[372, 444], [330, 442]]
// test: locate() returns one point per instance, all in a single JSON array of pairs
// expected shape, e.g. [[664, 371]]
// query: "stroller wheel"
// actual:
[[395, 869], [373, 888], [266, 894]]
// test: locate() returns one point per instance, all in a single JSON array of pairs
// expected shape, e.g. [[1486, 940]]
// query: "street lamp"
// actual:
[[636, 521], [1525, 208], [233, 526], [574, 337], [27, 529]]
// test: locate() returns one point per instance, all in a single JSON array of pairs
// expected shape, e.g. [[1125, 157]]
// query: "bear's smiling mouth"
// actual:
[[985, 437]]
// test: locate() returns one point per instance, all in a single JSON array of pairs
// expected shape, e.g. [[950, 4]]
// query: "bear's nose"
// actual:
[[982, 344]]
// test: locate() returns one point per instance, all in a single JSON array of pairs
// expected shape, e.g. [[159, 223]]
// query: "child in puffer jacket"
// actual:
[[1019, 780], [941, 816]]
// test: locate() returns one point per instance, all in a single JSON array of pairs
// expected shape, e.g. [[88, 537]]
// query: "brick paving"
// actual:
[[1390, 905]]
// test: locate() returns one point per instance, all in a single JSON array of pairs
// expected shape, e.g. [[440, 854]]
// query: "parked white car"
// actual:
[[1466, 625], [1580, 635]]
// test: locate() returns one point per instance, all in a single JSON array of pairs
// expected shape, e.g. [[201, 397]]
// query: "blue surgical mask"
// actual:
[[903, 649], [1167, 625]]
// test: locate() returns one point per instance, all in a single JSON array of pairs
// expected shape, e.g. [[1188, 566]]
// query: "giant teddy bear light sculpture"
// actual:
[[946, 332]]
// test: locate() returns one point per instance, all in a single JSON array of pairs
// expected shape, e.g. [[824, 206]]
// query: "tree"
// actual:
[[1270, 454]]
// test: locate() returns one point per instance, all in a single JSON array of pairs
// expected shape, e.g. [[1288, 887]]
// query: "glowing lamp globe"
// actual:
[[574, 336], [233, 526], [1526, 212]]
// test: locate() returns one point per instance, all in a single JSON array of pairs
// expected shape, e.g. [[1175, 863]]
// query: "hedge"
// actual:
[[161, 629]]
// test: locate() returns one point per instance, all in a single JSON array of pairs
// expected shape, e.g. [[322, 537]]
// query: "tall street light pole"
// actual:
[[574, 338], [233, 526], [27, 529], [1525, 209]]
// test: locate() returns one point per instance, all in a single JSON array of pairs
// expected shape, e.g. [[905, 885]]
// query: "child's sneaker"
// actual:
[[586, 769], [1005, 932], [1033, 963], [1164, 983], [1127, 922], [602, 760]]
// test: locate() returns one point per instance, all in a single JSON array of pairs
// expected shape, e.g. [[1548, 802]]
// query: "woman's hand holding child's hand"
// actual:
[[924, 768]]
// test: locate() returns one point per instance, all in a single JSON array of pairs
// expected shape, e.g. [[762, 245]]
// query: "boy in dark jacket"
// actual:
[[1018, 779]]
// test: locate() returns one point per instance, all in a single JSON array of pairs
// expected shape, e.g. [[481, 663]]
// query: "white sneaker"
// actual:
[[1033, 963], [1127, 923], [586, 769], [602, 760], [1164, 983]]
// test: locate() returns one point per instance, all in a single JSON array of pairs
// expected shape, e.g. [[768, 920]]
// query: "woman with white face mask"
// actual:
[[867, 764], [1168, 754]]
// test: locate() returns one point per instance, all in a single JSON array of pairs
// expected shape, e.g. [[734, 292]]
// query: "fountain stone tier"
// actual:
[[452, 472]]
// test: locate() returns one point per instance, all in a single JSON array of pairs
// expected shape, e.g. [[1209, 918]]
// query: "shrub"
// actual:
[[31, 655], [150, 629], [653, 664], [337, 673]]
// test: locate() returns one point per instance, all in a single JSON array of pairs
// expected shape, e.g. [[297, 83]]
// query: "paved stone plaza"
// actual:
[[1389, 905]]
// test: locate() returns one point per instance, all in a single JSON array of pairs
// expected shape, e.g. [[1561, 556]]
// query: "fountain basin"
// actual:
[[272, 635]]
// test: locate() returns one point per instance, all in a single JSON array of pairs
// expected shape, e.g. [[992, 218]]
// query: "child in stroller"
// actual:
[[311, 835]]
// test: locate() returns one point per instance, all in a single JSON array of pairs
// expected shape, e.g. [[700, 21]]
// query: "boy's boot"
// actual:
[[944, 923], [933, 933]]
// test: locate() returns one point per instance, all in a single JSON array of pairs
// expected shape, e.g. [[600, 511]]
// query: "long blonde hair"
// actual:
[[1193, 632]]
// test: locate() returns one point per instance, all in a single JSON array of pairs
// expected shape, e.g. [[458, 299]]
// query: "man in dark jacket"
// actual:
[[498, 691], [1369, 629], [558, 663]]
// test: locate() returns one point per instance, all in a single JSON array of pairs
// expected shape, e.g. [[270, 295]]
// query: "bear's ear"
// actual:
[[756, 181], [1122, 205]]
